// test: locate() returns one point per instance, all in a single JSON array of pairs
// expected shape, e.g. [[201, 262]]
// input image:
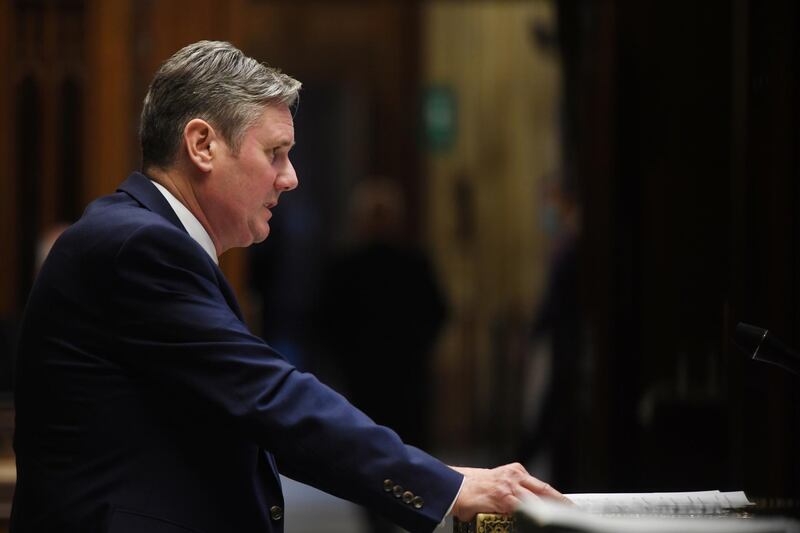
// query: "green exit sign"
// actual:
[[439, 116]]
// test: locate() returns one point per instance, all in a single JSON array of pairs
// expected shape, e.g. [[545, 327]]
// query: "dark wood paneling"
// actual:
[[768, 418], [690, 191], [109, 117], [8, 270]]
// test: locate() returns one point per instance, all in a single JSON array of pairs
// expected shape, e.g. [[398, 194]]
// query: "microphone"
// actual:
[[763, 346]]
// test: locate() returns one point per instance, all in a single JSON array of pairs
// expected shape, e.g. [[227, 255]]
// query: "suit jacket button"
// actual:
[[417, 502], [388, 484], [275, 512], [397, 491], [408, 496]]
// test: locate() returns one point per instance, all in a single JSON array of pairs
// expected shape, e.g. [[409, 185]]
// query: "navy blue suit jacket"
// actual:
[[145, 404]]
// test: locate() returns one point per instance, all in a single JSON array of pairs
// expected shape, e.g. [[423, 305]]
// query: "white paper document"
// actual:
[[662, 512], [698, 502]]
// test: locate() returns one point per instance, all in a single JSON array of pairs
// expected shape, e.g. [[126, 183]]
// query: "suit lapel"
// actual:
[[143, 191]]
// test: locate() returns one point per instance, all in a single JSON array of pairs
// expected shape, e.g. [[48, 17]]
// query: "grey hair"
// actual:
[[214, 81]]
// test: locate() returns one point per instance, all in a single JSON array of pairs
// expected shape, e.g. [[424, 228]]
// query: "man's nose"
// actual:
[[287, 180]]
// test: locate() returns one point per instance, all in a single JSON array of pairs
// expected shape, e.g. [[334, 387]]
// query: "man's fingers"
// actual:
[[509, 504], [542, 489], [522, 478]]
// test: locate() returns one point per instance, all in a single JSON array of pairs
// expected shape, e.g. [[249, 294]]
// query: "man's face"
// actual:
[[244, 187]]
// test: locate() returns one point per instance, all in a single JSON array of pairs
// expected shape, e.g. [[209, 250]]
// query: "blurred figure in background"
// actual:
[[10, 323], [551, 432], [46, 241], [9, 333], [381, 311]]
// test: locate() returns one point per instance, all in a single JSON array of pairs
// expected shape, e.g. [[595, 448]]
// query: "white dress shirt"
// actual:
[[190, 222]]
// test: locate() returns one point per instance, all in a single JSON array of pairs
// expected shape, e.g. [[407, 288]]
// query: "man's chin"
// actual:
[[261, 237]]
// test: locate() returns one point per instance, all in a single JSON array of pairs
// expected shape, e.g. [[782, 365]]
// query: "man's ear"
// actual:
[[202, 143]]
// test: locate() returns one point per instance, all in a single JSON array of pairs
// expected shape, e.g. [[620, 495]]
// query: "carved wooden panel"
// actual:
[[44, 61]]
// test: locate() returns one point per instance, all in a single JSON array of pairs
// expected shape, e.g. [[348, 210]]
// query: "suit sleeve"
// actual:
[[176, 329]]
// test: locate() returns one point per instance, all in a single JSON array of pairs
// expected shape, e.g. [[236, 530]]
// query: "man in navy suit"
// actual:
[[143, 402]]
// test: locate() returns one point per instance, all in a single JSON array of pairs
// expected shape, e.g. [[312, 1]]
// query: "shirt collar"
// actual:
[[190, 222]]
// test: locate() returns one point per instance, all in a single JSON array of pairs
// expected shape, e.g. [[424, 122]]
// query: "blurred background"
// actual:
[[525, 230]]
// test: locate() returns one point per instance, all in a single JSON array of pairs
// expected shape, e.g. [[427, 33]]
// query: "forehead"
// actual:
[[274, 127]]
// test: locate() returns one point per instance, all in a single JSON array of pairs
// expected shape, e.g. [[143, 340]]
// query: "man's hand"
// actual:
[[498, 490]]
